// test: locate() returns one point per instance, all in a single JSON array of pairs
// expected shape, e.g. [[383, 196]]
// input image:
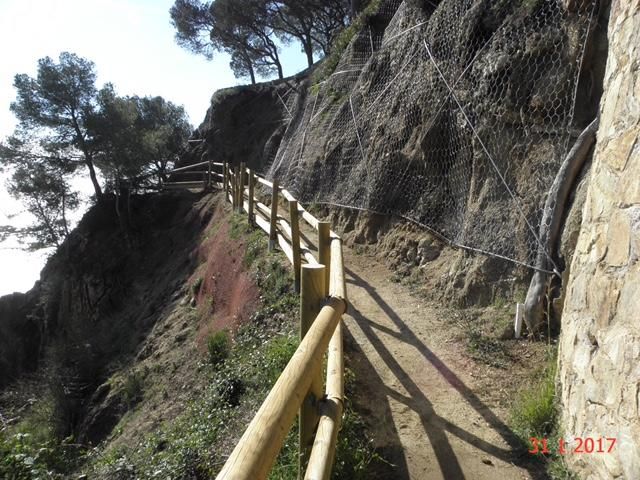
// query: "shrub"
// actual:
[[218, 346], [132, 388]]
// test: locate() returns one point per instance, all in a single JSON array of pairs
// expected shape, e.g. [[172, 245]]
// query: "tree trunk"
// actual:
[[307, 45], [64, 214], [551, 224], [94, 178], [87, 156]]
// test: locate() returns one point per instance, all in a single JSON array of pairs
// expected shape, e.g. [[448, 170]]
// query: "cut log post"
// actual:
[[234, 189], [258, 448], [324, 251], [225, 180], [295, 242], [273, 224], [209, 173], [237, 187], [251, 203], [324, 445], [241, 182], [312, 294]]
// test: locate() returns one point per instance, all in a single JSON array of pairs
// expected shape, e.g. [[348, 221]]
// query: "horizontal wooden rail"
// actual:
[[265, 182], [287, 195], [188, 167], [337, 283], [258, 448], [185, 185], [324, 445], [285, 246]]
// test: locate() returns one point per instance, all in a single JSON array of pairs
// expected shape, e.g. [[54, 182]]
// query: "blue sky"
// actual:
[[132, 44]]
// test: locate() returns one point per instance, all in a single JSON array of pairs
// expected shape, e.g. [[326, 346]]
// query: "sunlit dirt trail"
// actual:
[[416, 390]]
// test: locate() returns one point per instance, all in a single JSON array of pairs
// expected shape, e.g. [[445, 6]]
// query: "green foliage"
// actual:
[[535, 410], [133, 388], [233, 390], [535, 413], [52, 111], [343, 40], [354, 452], [30, 449], [256, 247], [277, 355], [136, 136], [19, 459], [286, 465], [66, 125], [248, 30], [218, 346], [238, 226]]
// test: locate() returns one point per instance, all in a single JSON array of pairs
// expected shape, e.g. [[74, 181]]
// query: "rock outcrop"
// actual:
[[599, 359], [377, 129]]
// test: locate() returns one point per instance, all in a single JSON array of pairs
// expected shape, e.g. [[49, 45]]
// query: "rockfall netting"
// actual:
[[455, 115]]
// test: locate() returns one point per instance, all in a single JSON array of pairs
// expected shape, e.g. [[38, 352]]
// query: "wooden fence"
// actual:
[[323, 300]]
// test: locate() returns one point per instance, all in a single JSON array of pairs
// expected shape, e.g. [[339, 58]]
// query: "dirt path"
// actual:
[[423, 411]]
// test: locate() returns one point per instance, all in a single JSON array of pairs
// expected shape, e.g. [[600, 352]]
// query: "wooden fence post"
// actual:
[[241, 187], [295, 242], [251, 206], [312, 294], [273, 233], [237, 183], [225, 180], [209, 185], [324, 251], [234, 189]]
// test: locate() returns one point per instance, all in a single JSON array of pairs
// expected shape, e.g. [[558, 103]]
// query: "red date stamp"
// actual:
[[578, 445]]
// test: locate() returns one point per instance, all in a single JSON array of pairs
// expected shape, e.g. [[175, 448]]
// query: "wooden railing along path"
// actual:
[[323, 301]]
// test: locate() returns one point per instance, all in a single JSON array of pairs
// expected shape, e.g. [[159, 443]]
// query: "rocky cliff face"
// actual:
[[98, 297], [600, 339], [453, 115], [21, 334]]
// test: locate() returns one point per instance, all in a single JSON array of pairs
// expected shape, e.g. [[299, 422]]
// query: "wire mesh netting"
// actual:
[[454, 115]]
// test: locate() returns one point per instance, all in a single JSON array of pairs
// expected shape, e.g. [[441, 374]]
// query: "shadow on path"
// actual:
[[435, 426], [369, 398]]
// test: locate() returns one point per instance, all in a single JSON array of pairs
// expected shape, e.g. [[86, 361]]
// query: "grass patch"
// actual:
[[536, 413], [218, 346], [193, 445]]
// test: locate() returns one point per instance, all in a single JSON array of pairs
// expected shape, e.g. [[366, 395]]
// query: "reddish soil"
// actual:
[[227, 295]]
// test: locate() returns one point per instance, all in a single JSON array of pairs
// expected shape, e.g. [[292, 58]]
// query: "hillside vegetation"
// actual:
[[175, 365]]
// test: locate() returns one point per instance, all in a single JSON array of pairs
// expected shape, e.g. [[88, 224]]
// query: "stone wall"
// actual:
[[599, 357]]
